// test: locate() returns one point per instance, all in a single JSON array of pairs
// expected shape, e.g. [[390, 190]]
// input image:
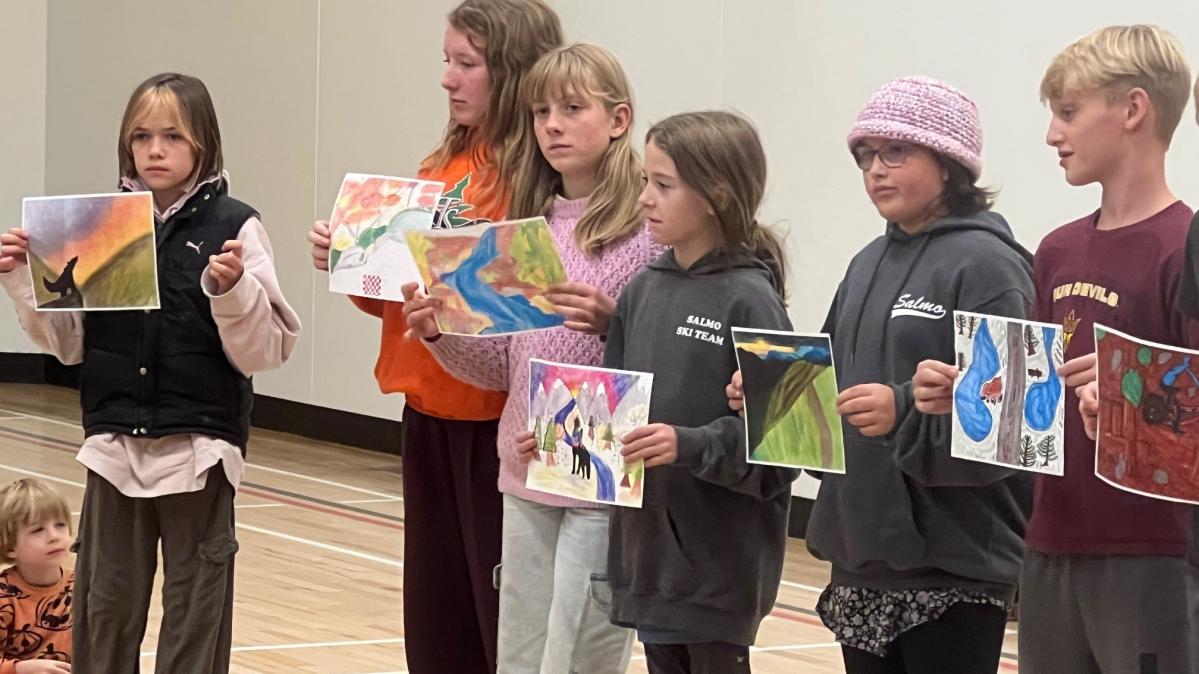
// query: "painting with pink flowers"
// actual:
[[369, 254]]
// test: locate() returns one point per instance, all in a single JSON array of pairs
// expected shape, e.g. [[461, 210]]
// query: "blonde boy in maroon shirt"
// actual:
[[1103, 589]]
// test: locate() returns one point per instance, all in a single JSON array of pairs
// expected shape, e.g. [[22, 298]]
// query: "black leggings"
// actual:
[[966, 639], [706, 658]]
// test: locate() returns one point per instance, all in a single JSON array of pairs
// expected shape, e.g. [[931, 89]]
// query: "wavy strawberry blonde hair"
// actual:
[[583, 71], [512, 34], [1117, 59]]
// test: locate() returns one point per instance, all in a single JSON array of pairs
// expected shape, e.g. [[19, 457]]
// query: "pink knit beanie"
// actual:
[[926, 112]]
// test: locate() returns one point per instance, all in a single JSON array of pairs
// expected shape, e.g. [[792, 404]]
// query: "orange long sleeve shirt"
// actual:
[[405, 365], [35, 622]]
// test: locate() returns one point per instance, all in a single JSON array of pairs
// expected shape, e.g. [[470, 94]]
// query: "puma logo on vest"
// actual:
[[920, 308], [196, 246]]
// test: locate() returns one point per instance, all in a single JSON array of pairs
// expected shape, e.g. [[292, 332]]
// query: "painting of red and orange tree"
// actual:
[[1148, 439]]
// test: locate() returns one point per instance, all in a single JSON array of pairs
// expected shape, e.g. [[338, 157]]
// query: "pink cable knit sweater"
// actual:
[[502, 363]]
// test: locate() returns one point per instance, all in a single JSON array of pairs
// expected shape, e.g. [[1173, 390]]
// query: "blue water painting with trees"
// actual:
[[1008, 398]]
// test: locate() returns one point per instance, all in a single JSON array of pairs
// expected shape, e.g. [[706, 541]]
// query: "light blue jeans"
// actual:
[[553, 617]]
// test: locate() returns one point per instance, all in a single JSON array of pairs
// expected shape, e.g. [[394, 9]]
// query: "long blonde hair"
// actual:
[[720, 156], [612, 212], [512, 34]]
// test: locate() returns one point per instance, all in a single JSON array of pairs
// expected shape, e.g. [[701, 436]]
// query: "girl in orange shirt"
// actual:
[[453, 511]]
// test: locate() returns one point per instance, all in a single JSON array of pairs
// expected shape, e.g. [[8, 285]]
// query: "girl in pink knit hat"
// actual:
[[925, 549]]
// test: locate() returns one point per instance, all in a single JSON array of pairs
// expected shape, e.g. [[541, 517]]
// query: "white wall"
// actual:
[[380, 111], [802, 71], [259, 61], [804, 74], [308, 89], [23, 125]]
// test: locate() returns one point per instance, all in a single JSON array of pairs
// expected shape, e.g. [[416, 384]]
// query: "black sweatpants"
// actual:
[[712, 657], [966, 639], [453, 518]]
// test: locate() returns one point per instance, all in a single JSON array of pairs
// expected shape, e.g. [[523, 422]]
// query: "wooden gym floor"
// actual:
[[319, 572]]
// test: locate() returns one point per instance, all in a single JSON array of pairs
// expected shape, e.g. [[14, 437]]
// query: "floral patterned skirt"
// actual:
[[871, 619]]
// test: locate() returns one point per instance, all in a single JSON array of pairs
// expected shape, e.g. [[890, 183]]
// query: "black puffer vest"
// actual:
[[159, 373]]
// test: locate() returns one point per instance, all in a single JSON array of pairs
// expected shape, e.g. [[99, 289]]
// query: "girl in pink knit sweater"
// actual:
[[584, 176]]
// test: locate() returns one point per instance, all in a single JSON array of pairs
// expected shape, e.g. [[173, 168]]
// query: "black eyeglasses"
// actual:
[[892, 154]]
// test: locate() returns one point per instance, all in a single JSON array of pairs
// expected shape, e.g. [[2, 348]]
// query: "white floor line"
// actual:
[[259, 530], [260, 505], [323, 546], [331, 483], [393, 499], [797, 647], [36, 417], [42, 476], [292, 647], [801, 586], [382, 495], [772, 649]]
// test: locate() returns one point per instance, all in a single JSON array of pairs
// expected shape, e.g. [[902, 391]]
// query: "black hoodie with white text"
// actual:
[[703, 556], [906, 514]]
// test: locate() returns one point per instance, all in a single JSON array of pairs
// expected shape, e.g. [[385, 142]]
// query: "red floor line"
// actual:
[[245, 490], [250, 491], [36, 441]]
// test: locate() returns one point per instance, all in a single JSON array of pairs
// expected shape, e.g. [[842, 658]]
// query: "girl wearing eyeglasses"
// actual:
[[925, 548]]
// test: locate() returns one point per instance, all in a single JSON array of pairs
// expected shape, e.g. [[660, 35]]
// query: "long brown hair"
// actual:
[[512, 34], [963, 195], [586, 71], [186, 99], [720, 156]]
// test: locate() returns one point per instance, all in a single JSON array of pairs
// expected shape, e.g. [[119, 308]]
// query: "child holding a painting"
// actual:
[[1116, 97], [1187, 303], [580, 170], [453, 513], [697, 568], [166, 394], [925, 549]]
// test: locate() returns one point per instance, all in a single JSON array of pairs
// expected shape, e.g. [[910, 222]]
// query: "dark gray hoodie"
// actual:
[[704, 554], [905, 514]]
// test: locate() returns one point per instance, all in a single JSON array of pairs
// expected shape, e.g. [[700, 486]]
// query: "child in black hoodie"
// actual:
[[697, 568], [925, 548]]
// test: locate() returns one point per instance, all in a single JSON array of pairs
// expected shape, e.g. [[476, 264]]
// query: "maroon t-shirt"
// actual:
[[1126, 279]]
